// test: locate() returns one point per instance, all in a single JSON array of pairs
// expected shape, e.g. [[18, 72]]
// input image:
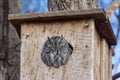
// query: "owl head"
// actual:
[[56, 42]]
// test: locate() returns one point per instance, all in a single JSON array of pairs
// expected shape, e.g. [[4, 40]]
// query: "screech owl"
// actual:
[[56, 51]]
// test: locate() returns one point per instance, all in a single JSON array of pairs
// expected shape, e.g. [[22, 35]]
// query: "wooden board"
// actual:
[[97, 14], [96, 55], [106, 61], [80, 65], [104, 28], [110, 63], [103, 59], [17, 19]]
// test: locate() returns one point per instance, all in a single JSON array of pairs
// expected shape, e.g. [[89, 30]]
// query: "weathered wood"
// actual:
[[110, 63], [103, 60], [97, 14], [96, 53], [17, 19], [103, 26], [90, 58], [106, 61], [105, 29], [81, 63], [40, 25]]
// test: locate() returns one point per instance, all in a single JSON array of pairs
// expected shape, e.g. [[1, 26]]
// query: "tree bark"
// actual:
[[11, 72], [57, 5]]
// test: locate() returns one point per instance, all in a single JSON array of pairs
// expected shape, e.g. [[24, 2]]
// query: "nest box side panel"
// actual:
[[106, 63], [79, 33], [102, 64], [110, 64]]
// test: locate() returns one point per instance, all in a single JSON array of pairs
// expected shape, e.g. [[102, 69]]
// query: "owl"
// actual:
[[56, 51]]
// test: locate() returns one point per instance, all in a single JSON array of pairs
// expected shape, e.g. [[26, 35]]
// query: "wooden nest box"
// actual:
[[89, 33]]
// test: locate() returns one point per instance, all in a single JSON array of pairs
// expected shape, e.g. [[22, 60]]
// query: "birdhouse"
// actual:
[[87, 33]]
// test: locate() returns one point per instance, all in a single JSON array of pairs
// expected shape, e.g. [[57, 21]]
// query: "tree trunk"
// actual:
[[57, 5], [9, 69]]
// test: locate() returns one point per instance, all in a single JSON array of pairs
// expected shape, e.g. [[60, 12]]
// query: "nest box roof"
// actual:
[[102, 24]]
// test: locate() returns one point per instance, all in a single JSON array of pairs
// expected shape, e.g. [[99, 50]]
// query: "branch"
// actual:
[[116, 76]]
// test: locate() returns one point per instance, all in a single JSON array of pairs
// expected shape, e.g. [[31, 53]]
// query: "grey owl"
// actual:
[[56, 51]]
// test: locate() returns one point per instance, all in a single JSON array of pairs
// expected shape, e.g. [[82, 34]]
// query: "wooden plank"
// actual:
[[103, 60], [79, 65], [97, 14], [106, 61], [102, 25], [17, 19], [110, 63], [105, 30], [96, 53]]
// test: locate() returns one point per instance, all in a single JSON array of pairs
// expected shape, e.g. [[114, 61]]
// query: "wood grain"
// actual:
[[105, 29], [17, 19], [106, 61], [103, 60], [110, 63], [102, 25], [80, 64], [96, 55], [96, 13]]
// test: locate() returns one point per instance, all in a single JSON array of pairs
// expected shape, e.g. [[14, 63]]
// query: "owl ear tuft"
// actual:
[[49, 39]]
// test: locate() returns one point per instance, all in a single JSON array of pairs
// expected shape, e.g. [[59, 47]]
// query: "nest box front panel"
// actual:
[[79, 33]]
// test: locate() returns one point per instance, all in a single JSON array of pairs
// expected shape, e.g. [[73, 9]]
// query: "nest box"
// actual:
[[89, 33]]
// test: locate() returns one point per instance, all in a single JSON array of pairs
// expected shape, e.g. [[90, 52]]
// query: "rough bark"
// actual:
[[11, 72], [57, 5]]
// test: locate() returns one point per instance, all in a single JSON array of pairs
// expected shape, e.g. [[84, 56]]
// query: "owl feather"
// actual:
[[56, 51]]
